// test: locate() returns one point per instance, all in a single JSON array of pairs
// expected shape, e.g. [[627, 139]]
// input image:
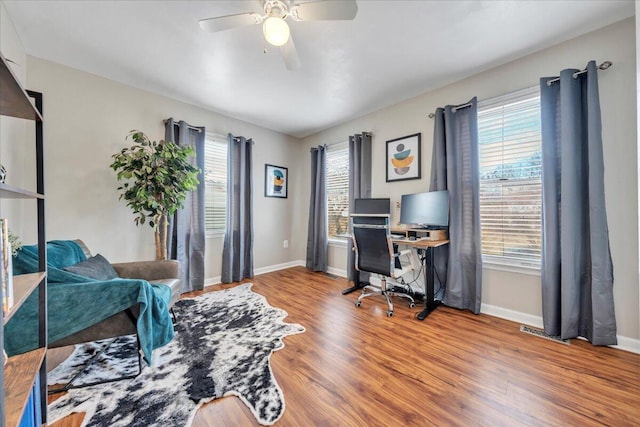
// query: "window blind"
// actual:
[[215, 177], [337, 175], [510, 156]]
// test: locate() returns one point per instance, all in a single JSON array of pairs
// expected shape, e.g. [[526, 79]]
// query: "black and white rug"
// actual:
[[222, 347]]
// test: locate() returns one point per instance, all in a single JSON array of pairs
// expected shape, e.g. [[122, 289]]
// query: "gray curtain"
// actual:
[[359, 187], [455, 167], [237, 253], [577, 272], [185, 236], [317, 228]]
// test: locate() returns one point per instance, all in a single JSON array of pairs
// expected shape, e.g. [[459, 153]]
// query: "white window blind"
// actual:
[[215, 177], [337, 189], [510, 178]]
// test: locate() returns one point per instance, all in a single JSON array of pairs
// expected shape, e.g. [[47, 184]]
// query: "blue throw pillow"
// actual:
[[96, 267]]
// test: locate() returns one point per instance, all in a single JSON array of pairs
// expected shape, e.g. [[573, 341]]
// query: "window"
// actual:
[[338, 189], [510, 178], [215, 179]]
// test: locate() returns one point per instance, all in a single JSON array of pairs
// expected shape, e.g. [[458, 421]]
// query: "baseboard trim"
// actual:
[[212, 281], [337, 272], [514, 316], [276, 267], [262, 270], [628, 344], [624, 343]]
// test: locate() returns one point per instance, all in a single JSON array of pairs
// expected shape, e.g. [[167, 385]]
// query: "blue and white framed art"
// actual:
[[276, 181]]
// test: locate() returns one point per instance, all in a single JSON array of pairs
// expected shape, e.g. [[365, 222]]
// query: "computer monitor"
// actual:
[[425, 210], [372, 206]]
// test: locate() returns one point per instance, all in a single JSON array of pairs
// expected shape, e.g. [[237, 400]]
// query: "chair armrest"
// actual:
[[149, 270]]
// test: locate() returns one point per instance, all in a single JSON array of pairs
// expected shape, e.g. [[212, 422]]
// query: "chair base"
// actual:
[[68, 386], [374, 290]]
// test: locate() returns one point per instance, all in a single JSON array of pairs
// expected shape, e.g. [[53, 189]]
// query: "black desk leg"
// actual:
[[429, 292], [356, 284]]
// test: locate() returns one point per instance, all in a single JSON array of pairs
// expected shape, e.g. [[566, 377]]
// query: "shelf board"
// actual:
[[19, 377], [23, 285], [14, 101], [10, 192]]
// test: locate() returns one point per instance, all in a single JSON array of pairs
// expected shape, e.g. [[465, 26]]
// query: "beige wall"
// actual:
[[17, 148], [638, 113], [11, 46], [86, 120], [508, 291]]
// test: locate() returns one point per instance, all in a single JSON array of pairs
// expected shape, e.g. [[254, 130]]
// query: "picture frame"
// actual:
[[403, 158], [276, 181]]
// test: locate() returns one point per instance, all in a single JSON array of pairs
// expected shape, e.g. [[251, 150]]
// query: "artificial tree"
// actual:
[[156, 177]]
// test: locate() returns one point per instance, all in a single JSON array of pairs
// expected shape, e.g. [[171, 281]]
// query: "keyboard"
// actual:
[[397, 236]]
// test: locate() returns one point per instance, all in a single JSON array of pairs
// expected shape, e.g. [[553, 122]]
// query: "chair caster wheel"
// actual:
[[412, 304], [389, 313], [358, 304]]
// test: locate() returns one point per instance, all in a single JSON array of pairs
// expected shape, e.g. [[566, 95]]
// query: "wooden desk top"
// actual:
[[420, 243]]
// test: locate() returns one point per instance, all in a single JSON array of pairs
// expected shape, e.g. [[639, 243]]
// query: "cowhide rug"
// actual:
[[222, 347]]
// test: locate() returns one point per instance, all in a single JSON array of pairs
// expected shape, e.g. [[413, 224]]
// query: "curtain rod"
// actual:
[[188, 125], [455, 108], [342, 142], [603, 66]]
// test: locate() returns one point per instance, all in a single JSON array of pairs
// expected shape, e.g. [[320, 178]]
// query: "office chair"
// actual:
[[374, 254]]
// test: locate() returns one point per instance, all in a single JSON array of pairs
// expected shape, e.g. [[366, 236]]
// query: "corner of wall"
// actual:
[[638, 133]]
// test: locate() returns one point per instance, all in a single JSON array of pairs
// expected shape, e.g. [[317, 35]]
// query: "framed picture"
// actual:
[[276, 181], [403, 158]]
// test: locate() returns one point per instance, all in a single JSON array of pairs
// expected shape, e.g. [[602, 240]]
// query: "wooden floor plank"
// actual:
[[357, 367]]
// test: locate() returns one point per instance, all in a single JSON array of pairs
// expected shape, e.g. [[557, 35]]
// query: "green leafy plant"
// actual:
[[16, 243], [156, 177]]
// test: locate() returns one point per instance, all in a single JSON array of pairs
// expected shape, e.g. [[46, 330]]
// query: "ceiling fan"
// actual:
[[275, 29]]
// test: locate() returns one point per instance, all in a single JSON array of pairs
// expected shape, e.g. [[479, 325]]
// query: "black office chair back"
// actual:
[[372, 243]]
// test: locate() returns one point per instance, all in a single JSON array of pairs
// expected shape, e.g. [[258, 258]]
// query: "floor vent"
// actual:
[[542, 334], [333, 276]]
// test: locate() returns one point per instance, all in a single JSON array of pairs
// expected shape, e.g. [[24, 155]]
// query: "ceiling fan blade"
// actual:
[[228, 22], [325, 10], [290, 55]]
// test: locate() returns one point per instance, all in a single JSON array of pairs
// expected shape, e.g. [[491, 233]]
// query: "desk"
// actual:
[[429, 271]]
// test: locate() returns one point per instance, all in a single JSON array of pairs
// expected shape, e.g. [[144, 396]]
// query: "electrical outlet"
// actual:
[[285, 244]]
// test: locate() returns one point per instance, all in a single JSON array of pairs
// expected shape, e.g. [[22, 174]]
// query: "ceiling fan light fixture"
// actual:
[[276, 31]]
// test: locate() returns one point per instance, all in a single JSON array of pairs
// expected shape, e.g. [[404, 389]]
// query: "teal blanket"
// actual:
[[76, 302]]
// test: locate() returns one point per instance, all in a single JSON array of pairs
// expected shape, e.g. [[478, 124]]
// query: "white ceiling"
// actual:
[[392, 51]]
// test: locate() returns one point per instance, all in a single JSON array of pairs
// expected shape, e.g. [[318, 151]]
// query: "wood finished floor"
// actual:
[[356, 367]]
